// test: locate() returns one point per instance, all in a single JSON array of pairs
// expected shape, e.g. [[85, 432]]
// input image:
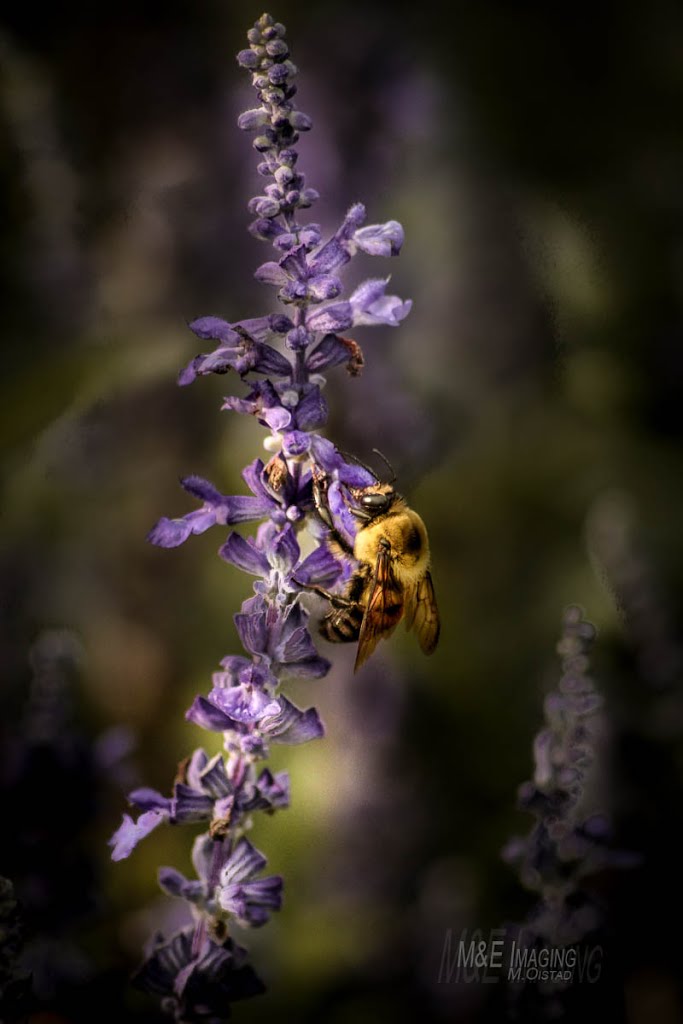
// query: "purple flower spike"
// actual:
[[564, 844], [274, 365]]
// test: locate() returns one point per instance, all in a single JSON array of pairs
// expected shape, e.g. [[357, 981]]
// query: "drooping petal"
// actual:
[[208, 716], [220, 361], [390, 311], [202, 489], [171, 533], [292, 725], [271, 273], [130, 832], [244, 554], [228, 508], [260, 328], [368, 292], [380, 239], [243, 508], [149, 800], [215, 329], [175, 884], [371, 306]]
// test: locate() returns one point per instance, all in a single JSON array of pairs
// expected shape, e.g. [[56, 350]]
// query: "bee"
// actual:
[[392, 580]]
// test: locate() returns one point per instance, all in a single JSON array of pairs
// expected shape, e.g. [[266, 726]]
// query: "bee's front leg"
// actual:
[[336, 600], [322, 507]]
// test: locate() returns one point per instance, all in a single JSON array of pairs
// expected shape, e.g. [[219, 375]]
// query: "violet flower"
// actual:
[[200, 971], [567, 841], [571, 839]]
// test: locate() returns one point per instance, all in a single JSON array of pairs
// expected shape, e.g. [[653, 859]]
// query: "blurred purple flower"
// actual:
[[569, 840]]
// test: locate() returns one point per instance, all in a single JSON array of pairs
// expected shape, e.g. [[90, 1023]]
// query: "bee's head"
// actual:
[[373, 501]]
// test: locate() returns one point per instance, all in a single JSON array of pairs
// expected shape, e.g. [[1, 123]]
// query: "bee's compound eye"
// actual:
[[375, 502]]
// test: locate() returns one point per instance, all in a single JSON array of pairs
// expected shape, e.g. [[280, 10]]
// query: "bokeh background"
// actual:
[[531, 405]]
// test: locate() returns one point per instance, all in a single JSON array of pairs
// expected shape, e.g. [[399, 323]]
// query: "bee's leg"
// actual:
[[320, 499], [336, 600], [323, 509]]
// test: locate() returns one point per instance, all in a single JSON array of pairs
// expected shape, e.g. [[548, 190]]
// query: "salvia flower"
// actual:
[[276, 362], [567, 840], [571, 837]]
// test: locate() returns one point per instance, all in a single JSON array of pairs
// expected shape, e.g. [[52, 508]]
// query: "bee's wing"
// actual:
[[384, 608], [422, 614]]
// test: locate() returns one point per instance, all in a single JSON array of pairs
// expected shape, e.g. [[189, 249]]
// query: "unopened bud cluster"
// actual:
[[278, 124]]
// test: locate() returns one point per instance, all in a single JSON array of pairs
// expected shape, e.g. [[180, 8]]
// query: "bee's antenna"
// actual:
[[363, 465], [354, 458], [386, 462]]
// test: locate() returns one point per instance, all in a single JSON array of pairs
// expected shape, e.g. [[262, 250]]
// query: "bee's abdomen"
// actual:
[[342, 625]]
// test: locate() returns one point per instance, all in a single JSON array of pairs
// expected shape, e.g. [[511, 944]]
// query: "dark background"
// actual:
[[530, 403]]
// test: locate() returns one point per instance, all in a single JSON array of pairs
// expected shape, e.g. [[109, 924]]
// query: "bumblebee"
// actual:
[[392, 580]]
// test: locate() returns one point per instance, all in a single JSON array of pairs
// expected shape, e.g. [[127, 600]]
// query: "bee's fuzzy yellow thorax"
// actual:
[[406, 535]]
